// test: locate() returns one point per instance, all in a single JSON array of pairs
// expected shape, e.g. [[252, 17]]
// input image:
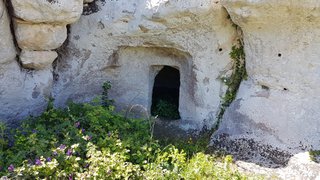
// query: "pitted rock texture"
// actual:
[[128, 42], [48, 11], [279, 103]]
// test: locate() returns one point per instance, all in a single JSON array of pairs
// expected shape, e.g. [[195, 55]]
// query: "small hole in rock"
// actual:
[[265, 87], [279, 55], [285, 89], [220, 49]]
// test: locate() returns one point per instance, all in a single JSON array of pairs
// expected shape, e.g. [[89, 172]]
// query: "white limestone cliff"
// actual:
[[278, 104], [127, 42]]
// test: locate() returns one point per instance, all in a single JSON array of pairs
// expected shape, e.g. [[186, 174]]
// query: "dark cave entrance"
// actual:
[[165, 94]]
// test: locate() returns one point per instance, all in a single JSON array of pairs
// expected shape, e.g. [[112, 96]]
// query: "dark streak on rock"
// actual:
[[251, 151]]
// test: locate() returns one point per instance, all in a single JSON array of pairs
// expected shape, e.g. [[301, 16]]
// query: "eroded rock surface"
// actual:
[[278, 104], [300, 166], [37, 60], [48, 11], [41, 25], [39, 37], [7, 49], [128, 42]]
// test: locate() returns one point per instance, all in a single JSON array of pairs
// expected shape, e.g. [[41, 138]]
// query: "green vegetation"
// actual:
[[166, 109], [315, 155], [106, 101], [91, 141], [233, 82]]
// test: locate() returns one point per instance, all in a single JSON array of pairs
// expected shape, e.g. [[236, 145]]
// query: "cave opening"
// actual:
[[165, 94]]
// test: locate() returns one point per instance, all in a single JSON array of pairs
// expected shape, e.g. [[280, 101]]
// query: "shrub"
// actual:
[[85, 141]]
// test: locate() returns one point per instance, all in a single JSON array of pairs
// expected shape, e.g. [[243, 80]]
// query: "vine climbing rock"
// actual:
[[279, 103]]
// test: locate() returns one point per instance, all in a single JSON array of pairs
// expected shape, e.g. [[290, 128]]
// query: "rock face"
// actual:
[[37, 59], [41, 25], [39, 36], [129, 42], [278, 104], [21, 92], [7, 49], [49, 11]]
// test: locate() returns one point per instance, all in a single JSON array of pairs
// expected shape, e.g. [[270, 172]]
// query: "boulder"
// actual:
[[39, 36], [49, 11], [37, 59]]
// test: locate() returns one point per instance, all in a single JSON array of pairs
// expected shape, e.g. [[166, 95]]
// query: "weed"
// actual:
[[315, 155], [105, 94], [233, 82]]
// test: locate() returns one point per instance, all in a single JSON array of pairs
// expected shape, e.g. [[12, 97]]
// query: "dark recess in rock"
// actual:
[[92, 7]]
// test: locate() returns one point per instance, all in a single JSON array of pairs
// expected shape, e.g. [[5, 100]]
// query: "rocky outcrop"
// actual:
[[41, 25], [128, 43], [278, 104]]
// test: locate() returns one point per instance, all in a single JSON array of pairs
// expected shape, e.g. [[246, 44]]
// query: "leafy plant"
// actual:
[[105, 94], [233, 82], [166, 109], [315, 155]]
